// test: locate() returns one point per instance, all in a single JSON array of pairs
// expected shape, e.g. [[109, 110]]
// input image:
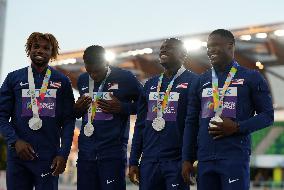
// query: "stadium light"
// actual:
[[148, 51], [192, 44], [204, 44], [261, 35], [245, 37], [279, 32], [259, 65], [109, 56], [63, 62]]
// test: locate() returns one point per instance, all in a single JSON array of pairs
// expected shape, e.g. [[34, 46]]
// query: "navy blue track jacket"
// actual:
[[110, 137], [56, 113], [247, 95], [164, 145]]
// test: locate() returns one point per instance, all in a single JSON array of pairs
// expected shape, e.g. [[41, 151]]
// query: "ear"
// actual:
[[231, 46]]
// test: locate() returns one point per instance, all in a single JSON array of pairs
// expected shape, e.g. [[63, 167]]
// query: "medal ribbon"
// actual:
[[93, 108], [162, 106], [34, 102], [218, 99]]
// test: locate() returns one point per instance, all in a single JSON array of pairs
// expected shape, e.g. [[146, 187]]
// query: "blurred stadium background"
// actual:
[[257, 47]]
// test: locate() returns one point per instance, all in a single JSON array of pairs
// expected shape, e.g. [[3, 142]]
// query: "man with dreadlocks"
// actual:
[[225, 106], [36, 118], [105, 127], [160, 123]]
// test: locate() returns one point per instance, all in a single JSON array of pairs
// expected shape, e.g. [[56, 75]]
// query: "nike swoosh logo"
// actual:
[[23, 84], [109, 181], [232, 181], [43, 175], [174, 185], [153, 87], [206, 83], [84, 88]]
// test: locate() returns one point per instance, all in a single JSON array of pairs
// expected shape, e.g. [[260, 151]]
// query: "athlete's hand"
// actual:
[[134, 174], [187, 170], [223, 129], [24, 150], [110, 106], [58, 165], [82, 105]]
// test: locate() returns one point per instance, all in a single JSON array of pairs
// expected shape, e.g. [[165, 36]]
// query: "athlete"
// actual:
[[160, 123], [226, 105], [36, 118], [108, 97]]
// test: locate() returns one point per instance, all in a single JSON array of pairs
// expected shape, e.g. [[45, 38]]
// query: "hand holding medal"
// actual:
[[220, 127], [89, 127]]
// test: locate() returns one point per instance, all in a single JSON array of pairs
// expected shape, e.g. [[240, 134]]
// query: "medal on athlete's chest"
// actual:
[[89, 127], [218, 97], [216, 118], [159, 122], [35, 123]]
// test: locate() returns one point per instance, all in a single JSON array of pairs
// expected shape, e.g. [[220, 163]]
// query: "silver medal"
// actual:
[[35, 123], [215, 118], [158, 123], [89, 129]]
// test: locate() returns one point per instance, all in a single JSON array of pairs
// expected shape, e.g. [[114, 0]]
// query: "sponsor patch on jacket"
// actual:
[[170, 111], [229, 105], [100, 115], [46, 107]]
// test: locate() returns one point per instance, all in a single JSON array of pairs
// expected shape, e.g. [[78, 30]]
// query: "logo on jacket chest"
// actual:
[[229, 104], [170, 111], [47, 106]]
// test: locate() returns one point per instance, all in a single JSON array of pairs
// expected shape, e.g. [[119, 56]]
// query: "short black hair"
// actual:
[[93, 54], [177, 42], [224, 33]]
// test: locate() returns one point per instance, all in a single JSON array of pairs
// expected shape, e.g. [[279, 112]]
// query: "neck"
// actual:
[[222, 67], [169, 72], [40, 68]]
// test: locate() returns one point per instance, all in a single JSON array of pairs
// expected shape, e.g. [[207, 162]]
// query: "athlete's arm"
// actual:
[[189, 147], [137, 140], [7, 103], [262, 102], [68, 120], [131, 108]]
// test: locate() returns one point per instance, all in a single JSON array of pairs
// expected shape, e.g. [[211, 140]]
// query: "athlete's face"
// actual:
[[41, 51], [170, 54], [96, 68], [220, 50]]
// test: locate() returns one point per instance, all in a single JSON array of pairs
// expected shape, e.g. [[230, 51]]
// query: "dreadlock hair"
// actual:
[[224, 33], [93, 53], [46, 36]]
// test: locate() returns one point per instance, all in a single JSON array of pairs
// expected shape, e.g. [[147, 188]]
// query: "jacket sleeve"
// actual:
[[137, 140], [7, 102], [130, 108], [68, 119], [189, 148], [262, 103]]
